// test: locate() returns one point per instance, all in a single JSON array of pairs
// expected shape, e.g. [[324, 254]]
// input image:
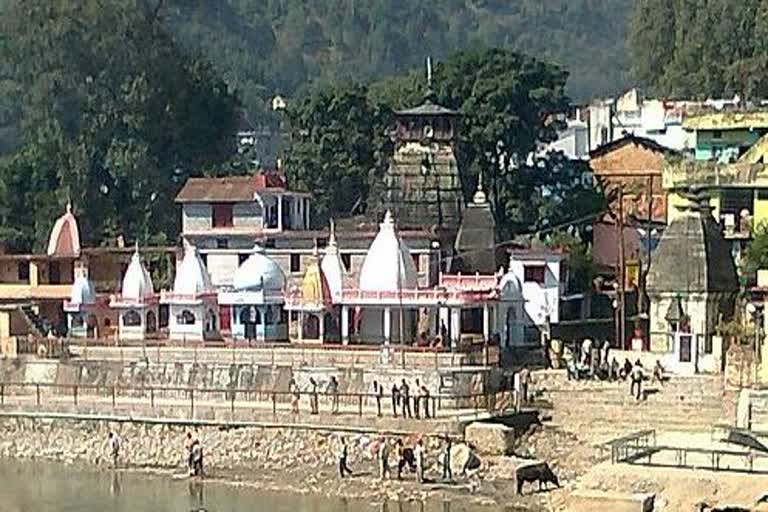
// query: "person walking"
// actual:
[[313, 396], [419, 454], [405, 399], [447, 472], [383, 456], [343, 457], [188, 443], [637, 380], [525, 380], [333, 391], [395, 399], [113, 445], [400, 453], [293, 389]]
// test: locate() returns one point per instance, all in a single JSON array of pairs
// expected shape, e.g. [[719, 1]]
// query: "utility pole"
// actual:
[[621, 269], [649, 226]]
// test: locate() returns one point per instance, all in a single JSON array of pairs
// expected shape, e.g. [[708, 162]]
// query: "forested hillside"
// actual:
[[278, 46]]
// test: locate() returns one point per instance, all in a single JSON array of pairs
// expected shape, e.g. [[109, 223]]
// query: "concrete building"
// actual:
[[193, 313], [692, 285], [542, 275], [725, 136], [252, 309], [223, 217], [137, 304]]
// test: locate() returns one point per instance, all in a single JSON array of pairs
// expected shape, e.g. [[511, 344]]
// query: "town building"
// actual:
[[692, 285], [137, 305], [725, 136]]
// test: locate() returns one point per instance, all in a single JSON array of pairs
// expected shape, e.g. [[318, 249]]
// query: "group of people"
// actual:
[[405, 402], [192, 447], [595, 362], [407, 458], [403, 398]]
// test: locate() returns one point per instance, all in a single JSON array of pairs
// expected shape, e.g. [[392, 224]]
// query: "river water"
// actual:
[[46, 486]]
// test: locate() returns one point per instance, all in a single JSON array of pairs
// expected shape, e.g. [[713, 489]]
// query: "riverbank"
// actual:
[[270, 459]]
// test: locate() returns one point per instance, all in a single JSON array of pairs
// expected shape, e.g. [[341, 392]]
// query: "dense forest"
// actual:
[[278, 46], [700, 48]]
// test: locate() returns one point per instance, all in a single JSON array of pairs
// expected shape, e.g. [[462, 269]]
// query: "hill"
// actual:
[[277, 46]]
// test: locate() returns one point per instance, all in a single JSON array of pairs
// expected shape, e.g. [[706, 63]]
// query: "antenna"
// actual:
[[429, 71]]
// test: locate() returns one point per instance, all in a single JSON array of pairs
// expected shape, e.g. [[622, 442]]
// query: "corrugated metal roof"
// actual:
[[232, 189]]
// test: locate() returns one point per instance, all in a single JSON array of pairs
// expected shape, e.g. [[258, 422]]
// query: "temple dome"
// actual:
[[137, 283], [65, 236], [388, 266], [192, 277], [82, 290], [259, 272], [510, 287], [314, 285], [332, 267]]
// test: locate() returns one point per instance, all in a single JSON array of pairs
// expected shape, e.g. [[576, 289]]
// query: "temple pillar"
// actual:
[[345, 325], [321, 327], [455, 327], [486, 322], [443, 320], [279, 212], [301, 326], [34, 273], [387, 325]]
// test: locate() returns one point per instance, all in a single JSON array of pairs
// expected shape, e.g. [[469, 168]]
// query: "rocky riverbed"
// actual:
[[271, 459]]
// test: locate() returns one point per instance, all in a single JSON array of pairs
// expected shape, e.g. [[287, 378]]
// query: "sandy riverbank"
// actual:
[[281, 460]]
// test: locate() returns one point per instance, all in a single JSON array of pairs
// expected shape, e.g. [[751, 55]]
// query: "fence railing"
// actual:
[[42, 396]]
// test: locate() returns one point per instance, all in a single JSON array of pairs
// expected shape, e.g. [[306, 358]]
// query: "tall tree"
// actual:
[[115, 117]]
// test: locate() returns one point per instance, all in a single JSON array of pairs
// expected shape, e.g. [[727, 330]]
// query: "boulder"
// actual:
[[490, 438], [462, 456]]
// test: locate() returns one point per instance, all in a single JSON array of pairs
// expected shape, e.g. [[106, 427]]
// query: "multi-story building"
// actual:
[[725, 136]]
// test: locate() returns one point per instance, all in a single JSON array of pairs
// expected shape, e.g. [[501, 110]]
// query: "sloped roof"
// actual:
[[630, 139], [693, 256], [232, 189], [428, 108]]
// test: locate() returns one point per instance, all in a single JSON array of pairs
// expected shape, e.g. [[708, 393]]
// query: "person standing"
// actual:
[[188, 443], [405, 399], [113, 447], [383, 456], [425, 401], [447, 472], [419, 454], [378, 390], [637, 380], [293, 389], [400, 453], [525, 380], [417, 401], [395, 399], [343, 455], [312, 396], [333, 391]]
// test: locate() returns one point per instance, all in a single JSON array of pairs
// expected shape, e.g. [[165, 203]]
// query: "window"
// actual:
[[151, 321], [717, 134], [295, 262], [131, 319], [23, 270], [241, 259], [221, 215], [346, 260], [222, 243], [269, 243], [322, 243], [54, 273], [186, 318], [416, 261], [534, 273], [708, 344], [204, 257]]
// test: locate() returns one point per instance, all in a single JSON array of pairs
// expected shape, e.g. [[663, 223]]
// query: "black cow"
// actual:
[[535, 473]]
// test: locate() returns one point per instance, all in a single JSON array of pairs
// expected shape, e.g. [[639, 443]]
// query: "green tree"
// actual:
[[581, 266], [115, 117], [755, 255], [334, 145]]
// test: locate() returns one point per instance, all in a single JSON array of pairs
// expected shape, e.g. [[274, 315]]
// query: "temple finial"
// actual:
[[332, 235], [429, 72], [479, 197]]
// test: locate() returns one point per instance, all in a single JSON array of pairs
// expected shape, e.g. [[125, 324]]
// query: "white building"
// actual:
[[137, 304], [193, 306], [542, 276]]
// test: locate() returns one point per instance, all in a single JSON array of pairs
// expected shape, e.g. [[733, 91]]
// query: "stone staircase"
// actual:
[[34, 321], [606, 409]]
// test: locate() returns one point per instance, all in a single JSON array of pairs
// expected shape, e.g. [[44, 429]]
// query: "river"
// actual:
[[36, 486]]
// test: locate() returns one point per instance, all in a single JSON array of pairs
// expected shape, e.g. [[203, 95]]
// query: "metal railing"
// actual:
[[44, 396]]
